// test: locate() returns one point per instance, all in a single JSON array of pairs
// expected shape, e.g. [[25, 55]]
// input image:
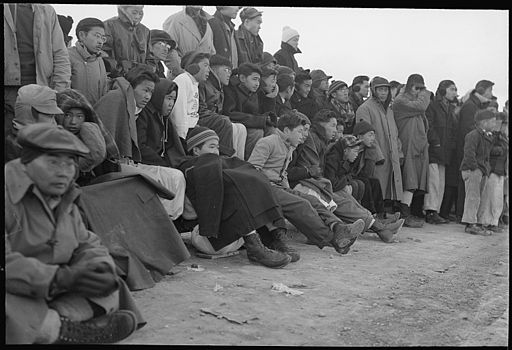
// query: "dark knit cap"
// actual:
[[218, 60], [483, 85], [87, 23], [199, 135], [484, 114], [362, 128], [267, 59]]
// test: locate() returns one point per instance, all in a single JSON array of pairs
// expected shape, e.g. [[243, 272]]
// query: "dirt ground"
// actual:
[[438, 286]]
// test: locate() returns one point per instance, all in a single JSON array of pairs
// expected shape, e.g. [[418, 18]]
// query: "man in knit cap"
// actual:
[[319, 87], [289, 47], [250, 45], [60, 281], [338, 101], [223, 30]]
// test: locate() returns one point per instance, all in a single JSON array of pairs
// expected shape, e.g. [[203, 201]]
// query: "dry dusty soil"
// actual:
[[438, 286]]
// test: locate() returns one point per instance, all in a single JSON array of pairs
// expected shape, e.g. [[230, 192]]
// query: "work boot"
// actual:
[[410, 221], [277, 243], [434, 218], [105, 329], [257, 252], [387, 219], [493, 228], [477, 230], [388, 232], [346, 235]]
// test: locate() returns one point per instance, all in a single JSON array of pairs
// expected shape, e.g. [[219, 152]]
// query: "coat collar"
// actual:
[[282, 137], [287, 47]]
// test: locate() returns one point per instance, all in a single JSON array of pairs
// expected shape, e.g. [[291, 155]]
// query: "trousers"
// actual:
[[474, 183], [434, 197]]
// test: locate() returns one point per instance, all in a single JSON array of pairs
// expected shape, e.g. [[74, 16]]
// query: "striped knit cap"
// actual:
[[199, 135]]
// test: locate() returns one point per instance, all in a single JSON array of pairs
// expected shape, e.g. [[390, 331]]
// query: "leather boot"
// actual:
[[389, 218], [346, 235], [104, 329], [405, 213], [277, 243], [388, 232], [433, 218], [257, 252]]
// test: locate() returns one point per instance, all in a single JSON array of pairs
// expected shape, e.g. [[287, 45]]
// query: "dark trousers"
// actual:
[[10, 94], [372, 197], [224, 129], [358, 189], [449, 198], [461, 196]]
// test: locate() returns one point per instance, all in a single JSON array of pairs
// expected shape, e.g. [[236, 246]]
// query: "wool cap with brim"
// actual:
[[249, 13], [157, 35], [350, 141], [267, 59], [319, 75], [335, 85], [362, 128], [218, 60], [51, 138], [379, 81], [484, 114], [199, 135], [41, 98]]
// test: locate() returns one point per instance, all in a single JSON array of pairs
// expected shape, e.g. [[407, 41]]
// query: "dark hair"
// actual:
[[284, 82], [443, 85], [360, 79], [247, 69], [290, 120], [301, 77], [266, 72], [86, 24], [138, 74], [192, 57], [323, 116], [394, 84]]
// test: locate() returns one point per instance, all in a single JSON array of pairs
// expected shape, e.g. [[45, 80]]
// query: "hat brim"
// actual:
[[48, 109], [380, 85]]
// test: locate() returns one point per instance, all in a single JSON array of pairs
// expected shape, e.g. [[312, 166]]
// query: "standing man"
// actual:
[[34, 52], [223, 30], [409, 110], [250, 45], [320, 87], [289, 47], [358, 91]]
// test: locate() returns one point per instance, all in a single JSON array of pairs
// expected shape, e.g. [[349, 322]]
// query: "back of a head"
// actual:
[[290, 120], [301, 77], [483, 85], [324, 115], [139, 74], [285, 81]]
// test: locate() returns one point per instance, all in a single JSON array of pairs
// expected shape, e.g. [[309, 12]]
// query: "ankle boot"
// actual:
[[277, 243], [405, 213], [257, 252], [104, 329], [388, 232], [389, 218], [433, 218], [346, 235]]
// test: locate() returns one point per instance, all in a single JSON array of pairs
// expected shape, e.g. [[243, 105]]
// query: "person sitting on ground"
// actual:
[[250, 45], [233, 200], [268, 90], [306, 174], [60, 281], [241, 104], [88, 72], [127, 40], [160, 45], [286, 87], [119, 110], [475, 168], [337, 101], [271, 155], [232, 136], [81, 120], [301, 100], [289, 48]]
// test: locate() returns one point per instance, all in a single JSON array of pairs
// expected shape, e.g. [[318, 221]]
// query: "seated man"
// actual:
[[60, 281], [232, 200], [272, 155], [268, 90]]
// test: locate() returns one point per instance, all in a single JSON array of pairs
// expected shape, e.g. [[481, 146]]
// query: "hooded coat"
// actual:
[[380, 116], [412, 127], [158, 141], [285, 56]]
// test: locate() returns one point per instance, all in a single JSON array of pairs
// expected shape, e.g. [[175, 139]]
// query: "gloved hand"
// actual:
[[93, 280], [315, 171]]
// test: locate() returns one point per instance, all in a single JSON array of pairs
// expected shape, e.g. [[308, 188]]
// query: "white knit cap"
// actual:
[[288, 33]]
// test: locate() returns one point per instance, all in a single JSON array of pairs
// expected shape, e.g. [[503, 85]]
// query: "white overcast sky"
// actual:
[[462, 45]]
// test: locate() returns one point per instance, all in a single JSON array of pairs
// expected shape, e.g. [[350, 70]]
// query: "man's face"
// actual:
[[382, 93], [230, 11], [289, 92], [168, 103], [143, 93], [73, 120], [253, 25], [488, 92], [324, 85], [136, 13], [223, 73], [342, 95], [351, 153], [304, 88], [330, 128], [251, 82], [94, 39], [204, 70], [210, 146], [270, 83], [364, 88], [416, 89], [160, 50], [339, 131], [368, 138], [451, 93], [294, 42], [295, 136], [52, 173], [488, 124]]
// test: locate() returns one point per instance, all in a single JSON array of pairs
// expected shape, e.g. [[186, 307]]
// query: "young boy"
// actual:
[[232, 200], [88, 73], [271, 156], [491, 205], [475, 169], [242, 105]]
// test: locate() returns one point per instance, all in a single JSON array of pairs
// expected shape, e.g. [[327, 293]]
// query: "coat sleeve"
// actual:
[[405, 108], [432, 136], [229, 109], [260, 154], [61, 78], [90, 134], [363, 114], [471, 142]]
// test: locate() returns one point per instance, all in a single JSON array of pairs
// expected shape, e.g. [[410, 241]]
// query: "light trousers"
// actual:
[[239, 137], [474, 183], [434, 197], [491, 204]]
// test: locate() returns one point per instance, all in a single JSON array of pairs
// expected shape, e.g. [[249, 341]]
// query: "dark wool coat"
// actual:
[[441, 133], [412, 127], [211, 100], [354, 100], [319, 97], [285, 56], [305, 105], [499, 154], [282, 107], [222, 32], [338, 170], [477, 151], [242, 105], [250, 47], [267, 104], [154, 62], [230, 196]]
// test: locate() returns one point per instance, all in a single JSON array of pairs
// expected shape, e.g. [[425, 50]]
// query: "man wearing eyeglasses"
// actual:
[[88, 73], [161, 45], [409, 109]]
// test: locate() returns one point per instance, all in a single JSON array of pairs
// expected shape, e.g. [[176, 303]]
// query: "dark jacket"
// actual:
[[441, 132], [267, 104], [354, 100], [305, 105], [467, 121], [477, 150], [223, 28], [499, 154], [154, 62], [319, 97], [285, 56], [242, 105], [338, 170], [250, 47], [344, 115], [282, 107]]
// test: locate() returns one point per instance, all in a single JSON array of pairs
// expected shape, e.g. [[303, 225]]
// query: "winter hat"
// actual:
[[483, 85], [350, 141], [199, 135], [318, 75], [484, 114], [157, 35], [335, 85], [267, 59], [71, 98], [188, 58], [379, 81], [362, 128], [41, 98], [249, 13], [288, 33], [218, 60]]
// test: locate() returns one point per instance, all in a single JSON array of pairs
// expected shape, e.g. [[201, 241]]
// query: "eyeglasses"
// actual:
[[98, 36], [67, 165], [163, 45]]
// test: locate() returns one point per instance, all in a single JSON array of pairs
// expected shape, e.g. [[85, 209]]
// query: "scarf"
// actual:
[[346, 111]]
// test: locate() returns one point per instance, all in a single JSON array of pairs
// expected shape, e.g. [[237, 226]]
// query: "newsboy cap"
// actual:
[[249, 13], [41, 98], [51, 138], [379, 81], [484, 114], [319, 75], [349, 141]]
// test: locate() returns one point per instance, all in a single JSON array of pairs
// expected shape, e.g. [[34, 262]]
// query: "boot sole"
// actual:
[[273, 267]]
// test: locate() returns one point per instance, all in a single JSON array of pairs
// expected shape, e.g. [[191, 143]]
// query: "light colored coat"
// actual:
[[386, 133], [52, 60], [185, 112]]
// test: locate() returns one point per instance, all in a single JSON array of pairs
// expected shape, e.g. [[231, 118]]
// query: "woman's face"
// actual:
[[168, 103], [73, 120]]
